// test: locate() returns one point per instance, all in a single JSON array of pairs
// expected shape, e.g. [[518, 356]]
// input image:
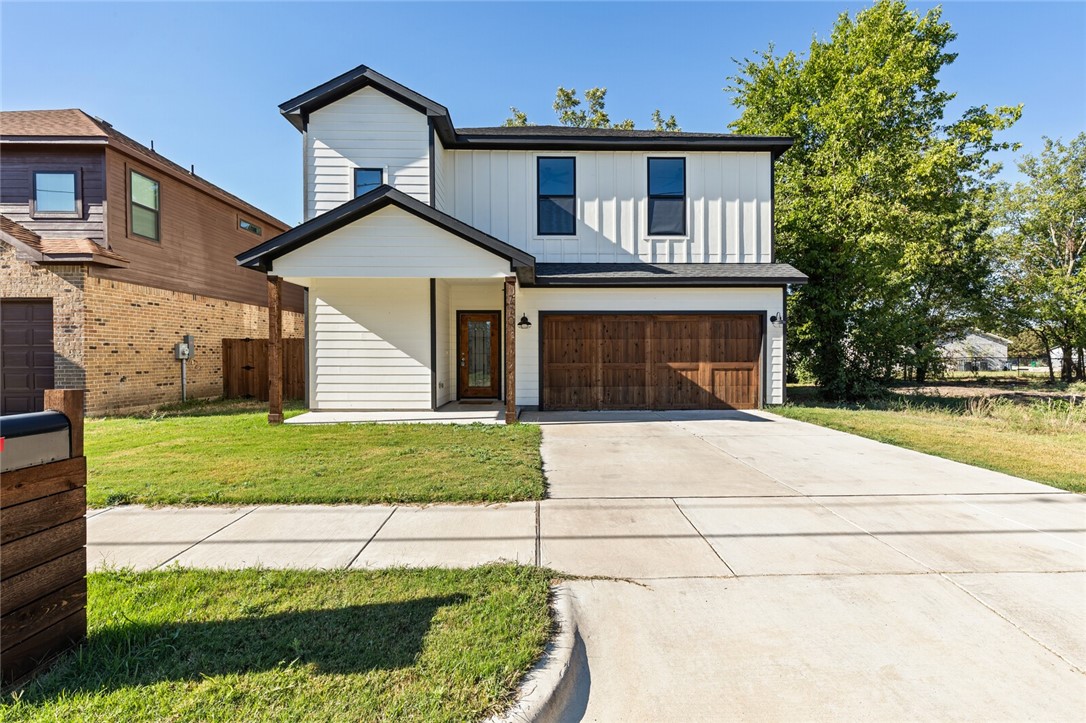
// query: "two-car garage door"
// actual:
[[651, 361]]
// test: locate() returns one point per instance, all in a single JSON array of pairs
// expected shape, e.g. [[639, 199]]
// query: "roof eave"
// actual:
[[662, 283]]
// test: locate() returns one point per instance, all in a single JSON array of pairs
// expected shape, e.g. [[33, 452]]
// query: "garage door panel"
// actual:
[[26, 354], [651, 361]]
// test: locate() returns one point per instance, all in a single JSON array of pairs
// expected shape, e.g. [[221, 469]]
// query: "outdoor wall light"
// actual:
[[777, 319], [524, 323]]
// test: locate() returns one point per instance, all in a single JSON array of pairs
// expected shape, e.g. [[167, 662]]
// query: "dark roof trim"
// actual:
[[666, 275], [297, 111], [261, 257]]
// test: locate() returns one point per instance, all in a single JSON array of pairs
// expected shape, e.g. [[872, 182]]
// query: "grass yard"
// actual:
[[200, 645], [226, 453], [1041, 440]]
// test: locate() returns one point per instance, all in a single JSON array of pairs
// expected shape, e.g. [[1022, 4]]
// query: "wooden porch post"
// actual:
[[69, 402], [275, 350], [510, 349]]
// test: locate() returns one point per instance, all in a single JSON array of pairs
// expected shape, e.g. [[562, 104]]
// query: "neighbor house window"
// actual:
[[556, 206], [143, 202], [55, 193], [250, 227], [367, 179], [667, 196]]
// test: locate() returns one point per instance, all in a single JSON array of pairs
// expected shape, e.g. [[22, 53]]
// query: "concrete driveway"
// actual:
[[777, 570]]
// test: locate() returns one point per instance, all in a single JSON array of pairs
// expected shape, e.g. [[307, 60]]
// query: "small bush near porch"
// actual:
[[247, 645], [226, 453]]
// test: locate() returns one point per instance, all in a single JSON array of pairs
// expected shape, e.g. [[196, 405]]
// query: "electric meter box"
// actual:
[[182, 351]]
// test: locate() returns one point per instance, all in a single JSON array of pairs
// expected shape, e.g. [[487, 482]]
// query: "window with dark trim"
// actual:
[[250, 227], [667, 196], [143, 206], [556, 204], [367, 179], [56, 194]]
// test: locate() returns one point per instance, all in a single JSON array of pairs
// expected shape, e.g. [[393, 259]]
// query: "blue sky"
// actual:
[[203, 80]]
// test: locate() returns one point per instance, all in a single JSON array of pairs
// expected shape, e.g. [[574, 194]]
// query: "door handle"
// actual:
[[463, 361]]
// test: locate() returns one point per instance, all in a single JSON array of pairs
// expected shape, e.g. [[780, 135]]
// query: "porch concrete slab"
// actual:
[[1049, 607], [454, 536], [844, 464], [145, 537], [950, 534], [635, 466], [281, 536], [647, 538], [867, 647], [456, 413], [790, 536]]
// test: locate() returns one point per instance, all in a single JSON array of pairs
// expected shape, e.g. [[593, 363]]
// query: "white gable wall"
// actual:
[[367, 129], [391, 243]]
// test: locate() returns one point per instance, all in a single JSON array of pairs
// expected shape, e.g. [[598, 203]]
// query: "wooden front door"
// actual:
[[26, 354], [651, 361], [479, 352]]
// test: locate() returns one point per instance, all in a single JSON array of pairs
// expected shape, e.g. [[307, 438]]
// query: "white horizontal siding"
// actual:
[[367, 129], [369, 344], [532, 301], [729, 205], [391, 243]]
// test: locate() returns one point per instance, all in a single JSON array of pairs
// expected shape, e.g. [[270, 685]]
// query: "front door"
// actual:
[[478, 350]]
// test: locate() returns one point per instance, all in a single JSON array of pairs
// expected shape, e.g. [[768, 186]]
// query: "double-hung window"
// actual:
[[556, 205], [56, 193], [667, 196], [143, 206], [367, 179]]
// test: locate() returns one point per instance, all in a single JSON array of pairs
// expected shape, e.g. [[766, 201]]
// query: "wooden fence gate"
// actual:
[[245, 369]]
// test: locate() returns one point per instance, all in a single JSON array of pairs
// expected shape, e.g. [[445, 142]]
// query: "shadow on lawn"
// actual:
[[347, 640]]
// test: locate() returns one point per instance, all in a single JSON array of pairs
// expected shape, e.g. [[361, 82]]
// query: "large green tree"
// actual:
[[882, 200], [567, 106], [1042, 277]]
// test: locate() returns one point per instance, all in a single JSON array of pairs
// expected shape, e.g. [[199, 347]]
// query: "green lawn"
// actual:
[[200, 645], [226, 453], [1044, 441]]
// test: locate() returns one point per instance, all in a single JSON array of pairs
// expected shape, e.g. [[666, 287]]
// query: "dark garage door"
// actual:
[[26, 355], [651, 361]]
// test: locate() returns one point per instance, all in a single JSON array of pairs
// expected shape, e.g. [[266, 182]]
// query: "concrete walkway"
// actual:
[[771, 569]]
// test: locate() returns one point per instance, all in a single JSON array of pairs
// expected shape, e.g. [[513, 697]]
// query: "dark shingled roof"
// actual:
[[642, 274]]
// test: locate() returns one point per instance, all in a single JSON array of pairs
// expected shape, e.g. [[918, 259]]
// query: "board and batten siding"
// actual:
[[729, 205], [367, 129], [370, 344], [653, 300], [391, 243]]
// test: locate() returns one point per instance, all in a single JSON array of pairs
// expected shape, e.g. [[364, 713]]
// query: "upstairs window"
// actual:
[[143, 206], [250, 227], [367, 179], [557, 196], [667, 196], [55, 194]]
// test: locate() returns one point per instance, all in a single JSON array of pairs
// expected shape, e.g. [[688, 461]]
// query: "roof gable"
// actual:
[[262, 256]]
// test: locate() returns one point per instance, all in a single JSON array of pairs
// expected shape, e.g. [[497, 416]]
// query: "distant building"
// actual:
[[975, 352]]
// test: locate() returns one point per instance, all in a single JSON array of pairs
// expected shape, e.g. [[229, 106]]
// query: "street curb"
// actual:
[[556, 688]]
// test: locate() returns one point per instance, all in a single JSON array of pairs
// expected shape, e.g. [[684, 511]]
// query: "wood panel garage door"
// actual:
[[26, 354], [651, 361]]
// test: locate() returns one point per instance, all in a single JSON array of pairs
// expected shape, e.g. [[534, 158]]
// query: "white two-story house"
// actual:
[[550, 267]]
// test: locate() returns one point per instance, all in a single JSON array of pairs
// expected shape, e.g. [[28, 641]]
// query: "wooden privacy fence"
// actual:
[[43, 535], [245, 368]]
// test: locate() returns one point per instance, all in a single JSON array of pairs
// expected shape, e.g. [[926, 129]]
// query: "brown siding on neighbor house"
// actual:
[[198, 239], [18, 163]]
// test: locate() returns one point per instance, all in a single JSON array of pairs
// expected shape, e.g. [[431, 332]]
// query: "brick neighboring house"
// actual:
[[109, 254]]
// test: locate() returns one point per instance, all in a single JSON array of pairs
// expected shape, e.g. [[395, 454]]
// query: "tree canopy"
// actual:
[[882, 200], [567, 106]]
